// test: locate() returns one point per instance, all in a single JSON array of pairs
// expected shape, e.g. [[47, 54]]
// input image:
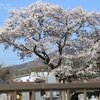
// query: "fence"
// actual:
[[68, 87]]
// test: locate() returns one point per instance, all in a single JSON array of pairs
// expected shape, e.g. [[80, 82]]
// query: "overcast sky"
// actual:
[[8, 57]]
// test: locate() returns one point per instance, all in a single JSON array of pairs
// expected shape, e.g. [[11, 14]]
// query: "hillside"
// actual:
[[31, 64]]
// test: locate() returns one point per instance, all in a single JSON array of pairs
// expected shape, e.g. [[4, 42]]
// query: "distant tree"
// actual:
[[6, 73], [39, 69], [65, 40]]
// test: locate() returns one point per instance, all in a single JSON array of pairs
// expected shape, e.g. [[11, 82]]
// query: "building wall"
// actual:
[[30, 77]]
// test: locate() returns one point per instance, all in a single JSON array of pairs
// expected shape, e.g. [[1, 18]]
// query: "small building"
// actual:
[[29, 77]]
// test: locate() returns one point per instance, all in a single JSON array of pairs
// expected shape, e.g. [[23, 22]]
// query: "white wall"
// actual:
[[31, 77]]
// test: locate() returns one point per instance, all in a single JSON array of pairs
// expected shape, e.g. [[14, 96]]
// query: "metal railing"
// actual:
[[68, 87]]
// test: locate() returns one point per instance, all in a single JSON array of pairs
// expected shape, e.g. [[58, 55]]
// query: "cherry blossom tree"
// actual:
[[63, 39]]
